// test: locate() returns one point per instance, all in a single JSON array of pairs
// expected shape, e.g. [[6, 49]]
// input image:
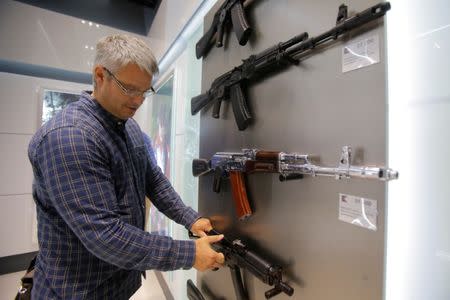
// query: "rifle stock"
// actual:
[[198, 102], [200, 167], [204, 43]]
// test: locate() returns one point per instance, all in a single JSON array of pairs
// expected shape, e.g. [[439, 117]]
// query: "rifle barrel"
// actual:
[[349, 24]]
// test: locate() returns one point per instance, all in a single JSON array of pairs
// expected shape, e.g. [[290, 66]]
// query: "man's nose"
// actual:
[[137, 100]]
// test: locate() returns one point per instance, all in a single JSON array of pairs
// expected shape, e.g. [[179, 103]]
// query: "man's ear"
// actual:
[[99, 75]]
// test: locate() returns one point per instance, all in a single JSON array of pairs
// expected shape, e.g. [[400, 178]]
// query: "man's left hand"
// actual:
[[201, 227]]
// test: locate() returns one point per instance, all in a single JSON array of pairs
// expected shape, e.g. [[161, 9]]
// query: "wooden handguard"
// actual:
[[267, 155], [265, 162], [241, 203]]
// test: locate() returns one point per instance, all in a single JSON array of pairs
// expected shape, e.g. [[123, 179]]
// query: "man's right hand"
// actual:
[[205, 257]]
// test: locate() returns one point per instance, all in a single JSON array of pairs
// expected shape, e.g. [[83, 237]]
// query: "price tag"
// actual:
[[358, 211], [360, 54]]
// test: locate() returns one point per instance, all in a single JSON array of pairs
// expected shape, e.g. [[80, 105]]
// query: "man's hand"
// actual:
[[201, 227], [205, 257]]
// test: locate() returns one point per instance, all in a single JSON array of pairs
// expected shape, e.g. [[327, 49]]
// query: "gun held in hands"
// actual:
[[238, 256]]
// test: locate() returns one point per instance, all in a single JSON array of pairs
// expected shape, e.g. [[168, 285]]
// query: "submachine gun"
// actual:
[[288, 165], [238, 256], [229, 85], [230, 11]]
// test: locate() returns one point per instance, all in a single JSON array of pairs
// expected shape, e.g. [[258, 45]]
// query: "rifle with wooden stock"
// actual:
[[289, 166]]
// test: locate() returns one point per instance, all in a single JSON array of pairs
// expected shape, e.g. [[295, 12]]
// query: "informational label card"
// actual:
[[358, 211], [360, 54]]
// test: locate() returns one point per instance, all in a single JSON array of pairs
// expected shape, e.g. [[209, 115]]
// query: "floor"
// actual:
[[150, 290]]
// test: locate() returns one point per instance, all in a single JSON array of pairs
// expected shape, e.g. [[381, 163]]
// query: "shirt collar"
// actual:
[[86, 97]]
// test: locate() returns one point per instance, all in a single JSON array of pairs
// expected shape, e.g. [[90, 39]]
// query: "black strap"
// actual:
[[32, 264], [24, 292]]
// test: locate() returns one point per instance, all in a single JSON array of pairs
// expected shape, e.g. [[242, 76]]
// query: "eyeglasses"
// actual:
[[130, 92]]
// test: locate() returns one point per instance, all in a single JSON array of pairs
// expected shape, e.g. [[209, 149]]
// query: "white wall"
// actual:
[[171, 17], [42, 37], [35, 36], [418, 239], [20, 104]]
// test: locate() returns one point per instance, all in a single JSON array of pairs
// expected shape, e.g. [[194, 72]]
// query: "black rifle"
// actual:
[[193, 292], [229, 85], [229, 9], [238, 256]]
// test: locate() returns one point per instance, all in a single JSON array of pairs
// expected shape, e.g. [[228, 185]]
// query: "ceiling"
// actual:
[[129, 15]]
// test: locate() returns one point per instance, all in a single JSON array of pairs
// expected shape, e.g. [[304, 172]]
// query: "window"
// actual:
[[161, 138], [53, 101]]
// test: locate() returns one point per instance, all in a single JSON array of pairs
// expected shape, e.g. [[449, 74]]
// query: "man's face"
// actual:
[[112, 98]]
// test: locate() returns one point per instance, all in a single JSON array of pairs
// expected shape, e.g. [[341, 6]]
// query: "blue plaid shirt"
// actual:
[[92, 173]]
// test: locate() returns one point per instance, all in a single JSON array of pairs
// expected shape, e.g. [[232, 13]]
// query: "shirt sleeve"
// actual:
[[76, 173], [164, 196]]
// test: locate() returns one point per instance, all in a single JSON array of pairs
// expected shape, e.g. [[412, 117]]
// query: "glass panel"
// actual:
[[185, 134], [161, 136], [189, 186]]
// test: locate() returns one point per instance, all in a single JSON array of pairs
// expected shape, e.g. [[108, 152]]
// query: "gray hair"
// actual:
[[116, 51]]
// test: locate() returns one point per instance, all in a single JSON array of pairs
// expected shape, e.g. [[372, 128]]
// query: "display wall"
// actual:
[[313, 108]]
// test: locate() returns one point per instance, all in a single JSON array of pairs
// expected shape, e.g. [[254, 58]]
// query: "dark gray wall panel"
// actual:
[[311, 108]]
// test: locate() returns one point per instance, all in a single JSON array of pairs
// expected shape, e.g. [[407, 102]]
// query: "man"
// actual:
[[92, 172]]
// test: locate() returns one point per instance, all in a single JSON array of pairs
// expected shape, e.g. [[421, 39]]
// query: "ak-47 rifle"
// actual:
[[230, 9], [229, 85], [289, 165], [238, 256]]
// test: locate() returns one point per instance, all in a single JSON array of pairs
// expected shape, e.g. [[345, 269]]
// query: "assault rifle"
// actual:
[[229, 86], [229, 9], [289, 165], [238, 256]]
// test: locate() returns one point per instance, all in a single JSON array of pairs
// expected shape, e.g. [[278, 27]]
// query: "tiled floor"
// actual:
[[150, 290]]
